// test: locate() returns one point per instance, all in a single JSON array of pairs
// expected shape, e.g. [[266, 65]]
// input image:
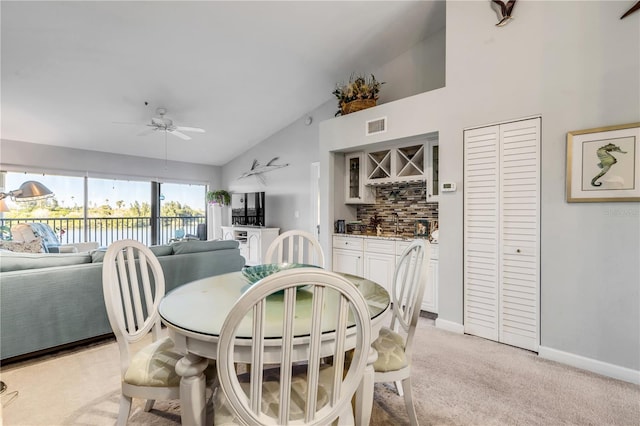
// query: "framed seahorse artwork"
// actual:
[[603, 164]]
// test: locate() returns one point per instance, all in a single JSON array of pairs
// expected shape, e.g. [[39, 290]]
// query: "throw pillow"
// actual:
[[33, 246]]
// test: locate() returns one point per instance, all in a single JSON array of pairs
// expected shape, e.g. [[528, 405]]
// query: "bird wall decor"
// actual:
[[257, 169], [630, 11], [505, 11]]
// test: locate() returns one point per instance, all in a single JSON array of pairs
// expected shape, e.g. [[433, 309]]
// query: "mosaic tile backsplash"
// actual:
[[408, 201]]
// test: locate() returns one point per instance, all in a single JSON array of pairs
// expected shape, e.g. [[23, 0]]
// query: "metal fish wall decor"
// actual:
[[257, 169]]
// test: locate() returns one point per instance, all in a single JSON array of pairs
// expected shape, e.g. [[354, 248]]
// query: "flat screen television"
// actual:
[[247, 208]]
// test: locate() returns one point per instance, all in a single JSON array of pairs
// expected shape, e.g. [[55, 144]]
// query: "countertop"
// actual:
[[384, 236]]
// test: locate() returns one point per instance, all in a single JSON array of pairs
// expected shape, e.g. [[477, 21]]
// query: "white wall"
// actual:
[[418, 70], [30, 157], [287, 199], [577, 65]]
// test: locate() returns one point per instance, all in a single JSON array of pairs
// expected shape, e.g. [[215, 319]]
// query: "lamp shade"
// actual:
[[3, 206], [31, 191]]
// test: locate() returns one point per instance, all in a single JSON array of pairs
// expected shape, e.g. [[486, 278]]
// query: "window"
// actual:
[[118, 209], [182, 209], [64, 212], [114, 209]]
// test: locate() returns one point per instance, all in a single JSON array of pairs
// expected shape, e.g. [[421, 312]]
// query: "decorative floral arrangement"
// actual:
[[219, 196], [374, 221], [359, 88]]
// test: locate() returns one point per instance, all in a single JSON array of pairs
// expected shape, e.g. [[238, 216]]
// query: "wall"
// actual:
[[555, 59], [29, 157], [418, 70], [287, 204], [287, 189]]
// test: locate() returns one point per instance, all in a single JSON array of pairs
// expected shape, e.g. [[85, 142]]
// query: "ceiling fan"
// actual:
[[166, 124]]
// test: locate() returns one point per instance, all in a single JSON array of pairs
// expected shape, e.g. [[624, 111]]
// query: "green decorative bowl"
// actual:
[[258, 272]]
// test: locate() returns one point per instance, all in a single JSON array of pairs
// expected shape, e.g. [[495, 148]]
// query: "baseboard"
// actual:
[[449, 326], [589, 364]]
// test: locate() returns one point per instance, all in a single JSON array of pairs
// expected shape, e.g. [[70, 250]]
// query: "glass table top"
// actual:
[[201, 306]]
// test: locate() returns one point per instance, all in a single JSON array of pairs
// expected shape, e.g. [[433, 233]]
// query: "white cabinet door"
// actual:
[[430, 298], [379, 268], [227, 233], [355, 190], [379, 261], [433, 181], [254, 248], [348, 262]]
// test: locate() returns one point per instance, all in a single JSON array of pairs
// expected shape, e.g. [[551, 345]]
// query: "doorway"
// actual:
[[314, 194]]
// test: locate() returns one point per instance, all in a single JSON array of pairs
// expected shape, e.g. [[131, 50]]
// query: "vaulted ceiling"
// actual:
[[91, 74]]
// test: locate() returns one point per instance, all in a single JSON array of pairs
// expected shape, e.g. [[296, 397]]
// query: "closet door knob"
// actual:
[[517, 250]]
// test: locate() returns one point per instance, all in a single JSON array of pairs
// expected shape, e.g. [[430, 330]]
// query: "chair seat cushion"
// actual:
[[223, 413], [154, 365], [390, 347]]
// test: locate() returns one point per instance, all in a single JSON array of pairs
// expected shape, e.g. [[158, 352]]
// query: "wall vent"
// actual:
[[379, 125]]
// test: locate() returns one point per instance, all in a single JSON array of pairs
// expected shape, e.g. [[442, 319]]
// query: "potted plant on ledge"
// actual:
[[360, 93], [220, 197]]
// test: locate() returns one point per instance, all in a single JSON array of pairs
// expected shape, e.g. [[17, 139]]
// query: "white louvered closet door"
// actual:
[[502, 216], [481, 231]]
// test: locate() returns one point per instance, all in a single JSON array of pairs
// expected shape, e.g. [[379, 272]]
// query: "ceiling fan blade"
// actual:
[[180, 135], [190, 129]]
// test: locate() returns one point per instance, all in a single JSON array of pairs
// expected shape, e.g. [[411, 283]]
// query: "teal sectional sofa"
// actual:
[[50, 301]]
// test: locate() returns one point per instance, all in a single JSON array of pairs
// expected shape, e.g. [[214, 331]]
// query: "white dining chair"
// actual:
[[395, 343], [133, 285], [309, 392], [295, 247]]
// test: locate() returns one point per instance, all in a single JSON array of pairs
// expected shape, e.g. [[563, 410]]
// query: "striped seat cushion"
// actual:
[[390, 347], [223, 413], [155, 366]]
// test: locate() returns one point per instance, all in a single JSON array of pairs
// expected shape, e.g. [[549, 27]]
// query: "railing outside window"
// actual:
[[106, 230]]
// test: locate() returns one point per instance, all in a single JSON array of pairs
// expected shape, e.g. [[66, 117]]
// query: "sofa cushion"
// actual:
[[182, 247], [33, 246], [164, 250], [98, 254], [10, 261]]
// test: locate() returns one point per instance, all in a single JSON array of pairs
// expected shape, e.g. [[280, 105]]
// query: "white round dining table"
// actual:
[[194, 314]]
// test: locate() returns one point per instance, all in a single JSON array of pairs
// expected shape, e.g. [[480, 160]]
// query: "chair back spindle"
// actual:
[[295, 247]]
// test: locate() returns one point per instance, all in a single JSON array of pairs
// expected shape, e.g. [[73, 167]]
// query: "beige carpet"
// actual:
[[458, 380]]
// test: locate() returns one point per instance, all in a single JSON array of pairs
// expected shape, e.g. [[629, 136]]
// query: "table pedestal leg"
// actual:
[[192, 389], [364, 395]]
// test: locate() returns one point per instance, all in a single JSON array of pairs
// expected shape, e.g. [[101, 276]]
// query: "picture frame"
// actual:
[[422, 228], [603, 164]]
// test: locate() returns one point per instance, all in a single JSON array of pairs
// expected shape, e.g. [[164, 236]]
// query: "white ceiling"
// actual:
[[241, 70]]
